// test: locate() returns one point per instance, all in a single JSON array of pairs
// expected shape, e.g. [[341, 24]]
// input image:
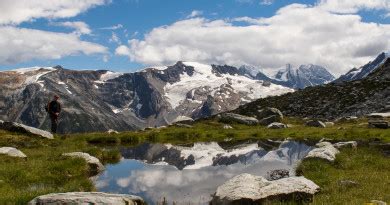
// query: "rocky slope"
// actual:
[[364, 71], [102, 100], [334, 100]]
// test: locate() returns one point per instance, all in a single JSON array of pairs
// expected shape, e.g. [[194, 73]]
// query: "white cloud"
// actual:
[[105, 58], [297, 34], [353, 6], [79, 26], [195, 13], [28, 44], [15, 12], [114, 27], [122, 51], [114, 38], [266, 2]]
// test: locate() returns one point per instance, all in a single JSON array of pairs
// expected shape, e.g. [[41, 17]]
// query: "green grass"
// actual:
[[46, 171], [366, 166]]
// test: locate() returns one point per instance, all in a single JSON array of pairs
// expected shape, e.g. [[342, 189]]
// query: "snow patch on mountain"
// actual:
[[204, 76], [108, 76]]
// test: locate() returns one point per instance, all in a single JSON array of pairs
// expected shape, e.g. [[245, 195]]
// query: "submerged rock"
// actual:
[[94, 163], [12, 152], [74, 198], [232, 117], [323, 150], [247, 188], [17, 127]]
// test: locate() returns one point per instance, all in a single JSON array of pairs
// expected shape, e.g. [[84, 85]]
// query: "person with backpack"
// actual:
[[54, 110]]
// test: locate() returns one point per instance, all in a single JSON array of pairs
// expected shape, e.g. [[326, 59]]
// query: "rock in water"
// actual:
[[17, 127], [276, 125], [94, 164], [323, 150], [315, 123], [247, 188], [74, 198], [231, 117], [12, 152]]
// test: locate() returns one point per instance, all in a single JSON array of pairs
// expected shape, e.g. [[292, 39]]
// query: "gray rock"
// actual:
[[276, 125], [17, 127], [183, 125], [12, 152], [323, 150], [277, 174], [94, 163], [81, 198], [315, 123], [232, 117], [111, 131], [250, 188], [329, 124], [227, 127], [350, 144], [268, 120], [267, 112], [378, 124]]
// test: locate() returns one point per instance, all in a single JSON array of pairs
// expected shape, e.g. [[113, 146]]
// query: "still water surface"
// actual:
[[191, 174]]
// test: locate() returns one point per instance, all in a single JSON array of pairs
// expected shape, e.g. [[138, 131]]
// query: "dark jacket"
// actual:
[[54, 107]]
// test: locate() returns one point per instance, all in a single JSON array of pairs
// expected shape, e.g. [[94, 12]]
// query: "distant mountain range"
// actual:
[[296, 78], [102, 100]]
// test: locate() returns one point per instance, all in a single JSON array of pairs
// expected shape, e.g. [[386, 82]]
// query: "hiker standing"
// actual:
[[54, 109]]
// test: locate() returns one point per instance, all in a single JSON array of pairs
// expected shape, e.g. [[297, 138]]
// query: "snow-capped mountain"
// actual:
[[303, 76], [364, 71], [296, 78], [102, 100]]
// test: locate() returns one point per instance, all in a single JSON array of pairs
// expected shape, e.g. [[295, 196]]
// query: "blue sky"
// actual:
[[251, 22]]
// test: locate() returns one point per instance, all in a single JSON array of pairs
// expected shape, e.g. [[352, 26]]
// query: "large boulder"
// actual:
[[249, 189], [17, 127], [81, 198], [315, 123], [232, 117], [276, 125], [323, 150], [12, 152], [267, 112], [382, 124], [94, 163]]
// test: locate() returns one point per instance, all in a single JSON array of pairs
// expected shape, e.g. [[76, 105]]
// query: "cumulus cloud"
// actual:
[[266, 2], [16, 12], [27, 44], [114, 38], [353, 6], [297, 34], [79, 26]]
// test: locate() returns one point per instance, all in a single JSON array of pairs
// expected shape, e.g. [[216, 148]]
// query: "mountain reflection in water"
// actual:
[[190, 175]]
